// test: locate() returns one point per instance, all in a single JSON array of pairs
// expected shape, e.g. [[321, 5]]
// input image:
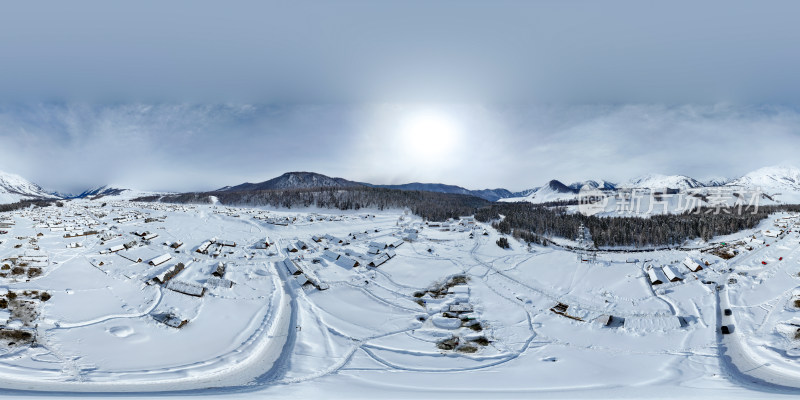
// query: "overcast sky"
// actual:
[[193, 95]]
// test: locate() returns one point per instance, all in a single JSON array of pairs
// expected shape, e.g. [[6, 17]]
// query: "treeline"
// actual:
[[534, 223], [25, 204], [430, 205]]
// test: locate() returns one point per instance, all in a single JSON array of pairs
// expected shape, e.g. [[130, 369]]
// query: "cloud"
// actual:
[[185, 147], [165, 146], [361, 52]]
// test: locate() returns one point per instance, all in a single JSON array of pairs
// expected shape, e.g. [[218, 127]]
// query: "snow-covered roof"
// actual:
[[691, 264], [161, 259], [672, 276], [346, 262], [186, 288], [653, 277]]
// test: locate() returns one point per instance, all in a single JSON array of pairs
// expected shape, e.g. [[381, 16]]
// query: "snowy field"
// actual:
[[157, 299]]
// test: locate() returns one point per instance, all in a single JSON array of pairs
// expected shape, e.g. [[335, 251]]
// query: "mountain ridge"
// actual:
[[780, 182], [14, 188]]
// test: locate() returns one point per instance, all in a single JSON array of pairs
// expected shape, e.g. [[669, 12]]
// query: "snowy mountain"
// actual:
[[552, 191], [524, 193], [14, 188], [106, 190], [782, 183], [599, 184], [714, 182], [658, 181], [293, 180], [305, 180]]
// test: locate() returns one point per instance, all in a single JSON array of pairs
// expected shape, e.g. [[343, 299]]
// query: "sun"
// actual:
[[429, 134]]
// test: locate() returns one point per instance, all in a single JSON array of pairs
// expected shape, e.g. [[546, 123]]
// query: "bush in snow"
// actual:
[[503, 243]]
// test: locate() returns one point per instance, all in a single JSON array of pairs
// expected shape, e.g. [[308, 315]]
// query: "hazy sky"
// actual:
[[193, 95]]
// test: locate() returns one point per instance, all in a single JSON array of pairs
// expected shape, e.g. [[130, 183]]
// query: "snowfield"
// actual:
[[157, 299]]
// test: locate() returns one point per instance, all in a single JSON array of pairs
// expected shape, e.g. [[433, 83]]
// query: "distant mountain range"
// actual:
[[305, 180], [99, 191], [782, 183]]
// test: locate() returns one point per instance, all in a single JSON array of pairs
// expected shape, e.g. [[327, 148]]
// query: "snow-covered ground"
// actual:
[[446, 313]]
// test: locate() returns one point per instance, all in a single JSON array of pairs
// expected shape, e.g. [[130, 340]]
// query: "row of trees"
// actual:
[[531, 223], [429, 205], [25, 204], [534, 223]]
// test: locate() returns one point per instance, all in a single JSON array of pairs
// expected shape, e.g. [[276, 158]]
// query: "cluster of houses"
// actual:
[[228, 212], [121, 247], [130, 216], [464, 224], [783, 227], [214, 247], [145, 235], [788, 223], [301, 273], [75, 234], [667, 273], [329, 250], [286, 220], [5, 223]]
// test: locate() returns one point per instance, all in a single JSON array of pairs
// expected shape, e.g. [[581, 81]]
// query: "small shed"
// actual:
[[346, 262], [186, 288], [216, 282], [692, 264], [671, 275], [377, 261], [460, 307], [330, 256], [219, 272], [203, 249], [653, 277], [160, 259], [169, 273], [290, 266], [171, 320], [301, 279], [150, 236]]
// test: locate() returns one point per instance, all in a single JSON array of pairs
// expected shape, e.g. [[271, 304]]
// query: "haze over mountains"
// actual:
[[780, 182]]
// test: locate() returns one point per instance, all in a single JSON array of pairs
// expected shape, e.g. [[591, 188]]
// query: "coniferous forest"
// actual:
[[532, 223], [429, 205]]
